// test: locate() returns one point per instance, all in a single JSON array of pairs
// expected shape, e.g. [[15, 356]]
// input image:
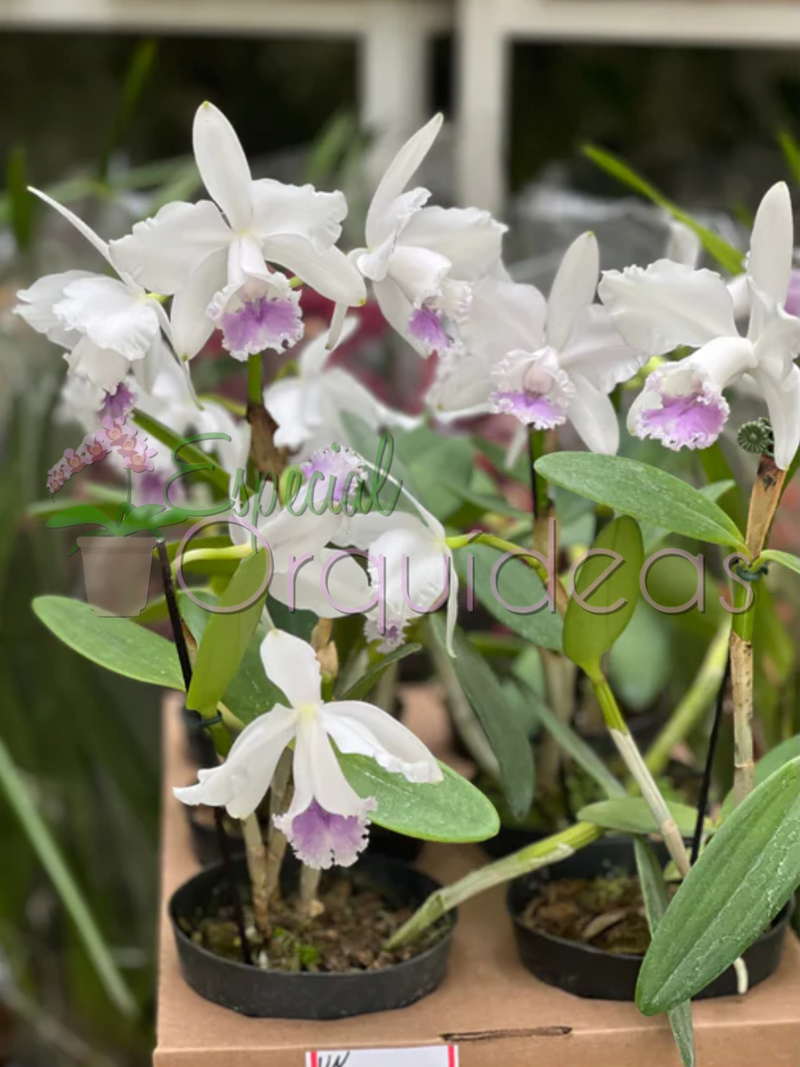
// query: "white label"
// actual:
[[430, 1056]]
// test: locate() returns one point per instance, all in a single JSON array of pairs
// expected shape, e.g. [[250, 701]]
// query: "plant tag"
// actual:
[[429, 1056]]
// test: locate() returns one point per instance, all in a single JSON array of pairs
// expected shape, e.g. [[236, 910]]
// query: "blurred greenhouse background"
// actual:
[[103, 122]]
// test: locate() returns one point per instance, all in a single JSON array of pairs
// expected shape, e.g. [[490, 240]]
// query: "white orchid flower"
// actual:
[[107, 326], [668, 305], [420, 259], [410, 567], [545, 362], [308, 407], [327, 822], [297, 538], [213, 256]]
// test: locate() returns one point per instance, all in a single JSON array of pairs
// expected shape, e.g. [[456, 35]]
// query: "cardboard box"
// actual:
[[489, 1005]]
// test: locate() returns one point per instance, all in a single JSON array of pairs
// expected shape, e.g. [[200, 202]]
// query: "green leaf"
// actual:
[[439, 467], [574, 746], [748, 871], [20, 200], [791, 153], [631, 815], [588, 636], [81, 515], [724, 253], [786, 559], [646, 493], [654, 893], [191, 459], [44, 845], [119, 645], [249, 693], [367, 682], [767, 765], [226, 637], [502, 727], [639, 666], [450, 810], [518, 585]]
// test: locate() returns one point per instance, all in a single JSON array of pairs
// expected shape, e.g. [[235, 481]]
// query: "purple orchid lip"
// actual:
[[425, 326], [693, 421], [341, 470], [321, 838], [274, 323], [530, 408]]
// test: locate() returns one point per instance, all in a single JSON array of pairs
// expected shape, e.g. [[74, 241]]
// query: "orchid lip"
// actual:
[[262, 323], [681, 417], [322, 838]]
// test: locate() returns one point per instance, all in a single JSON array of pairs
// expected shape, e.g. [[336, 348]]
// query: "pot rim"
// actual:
[[450, 918], [110, 542], [773, 931]]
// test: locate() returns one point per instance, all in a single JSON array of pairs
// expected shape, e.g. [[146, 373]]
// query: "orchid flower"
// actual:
[[410, 568], [420, 259], [297, 538], [545, 362], [108, 326], [327, 822], [308, 407], [668, 305], [213, 257]]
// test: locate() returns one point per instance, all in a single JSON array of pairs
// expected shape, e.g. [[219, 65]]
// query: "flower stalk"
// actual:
[[256, 856]]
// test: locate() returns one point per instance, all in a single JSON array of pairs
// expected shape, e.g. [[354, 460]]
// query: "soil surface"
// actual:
[[607, 913], [347, 935]]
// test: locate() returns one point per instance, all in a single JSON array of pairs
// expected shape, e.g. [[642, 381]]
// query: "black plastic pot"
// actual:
[[591, 972], [282, 995]]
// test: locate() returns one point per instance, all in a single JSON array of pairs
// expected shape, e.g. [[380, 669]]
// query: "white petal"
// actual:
[[416, 565], [191, 326], [101, 367], [82, 228], [347, 593], [667, 305], [783, 403], [241, 782], [573, 288], [331, 273], [223, 165], [418, 272], [471, 239], [452, 607], [162, 252], [592, 414], [770, 261], [317, 774], [294, 405], [292, 665], [777, 333], [683, 244], [597, 351], [395, 307], [298, 210], [463, 386], [316, 353], [359, 727], [110, 316], [39, 299], [398, 174], [503, 316]]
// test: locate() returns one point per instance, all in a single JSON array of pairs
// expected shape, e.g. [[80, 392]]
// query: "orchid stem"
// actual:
[[764, 500], [632, 757], [540, 854], [255, 388], [279, 800], [256, 856], [310, 905]]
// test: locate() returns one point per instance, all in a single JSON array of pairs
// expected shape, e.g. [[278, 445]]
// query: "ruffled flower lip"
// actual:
[[265, 322], [322, 839], [532, 409], [342, 470], [690, 418], [426, 328]]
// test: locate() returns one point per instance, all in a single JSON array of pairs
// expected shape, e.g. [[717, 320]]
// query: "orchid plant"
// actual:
[[333, 518]]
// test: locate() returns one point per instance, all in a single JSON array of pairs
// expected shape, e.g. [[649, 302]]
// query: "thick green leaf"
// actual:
[[646, 493], [588, 636], [26, 809], [639, 665], [502, 727], [631, 815], [724, 253], [450, 810], [81, 515], [654, 893], [367, 682], [745, 875], [575, 746], [786, 559], [249, 693], [119, 645], [227, 636], [518, 585], [767, 765]]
